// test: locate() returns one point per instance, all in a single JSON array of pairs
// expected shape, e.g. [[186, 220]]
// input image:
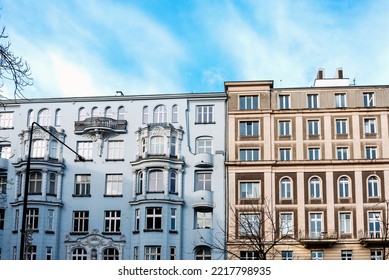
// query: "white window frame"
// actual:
[[286, 188], [284, 102], [82, 185], [374, 223], [160, 114], [32, 218], [312, 101], [145, 114], [175, 113], [345, 222], [285, 154], [344, 187], [317, 255], [80, 221], [315, 189], [249, 128], [85, 149], [370, 125], [204, 145], [6, 119], [249, 189], [373, 186], [115, 150], [314, 153], [340, 100], [249, 154], [248, 102], [153, 218], [205, 114], [114, 184], [286, 224], [316, 224], [203, 181], [203, 219], [341, 126], [342, 153], [156, 181], [371, 152], [153, 253], [249, 224], [284, 128], [313, 127], [368, 99], [112, 220], [157, 145]]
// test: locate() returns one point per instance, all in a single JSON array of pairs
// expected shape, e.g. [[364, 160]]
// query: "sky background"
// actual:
[[94, 48]]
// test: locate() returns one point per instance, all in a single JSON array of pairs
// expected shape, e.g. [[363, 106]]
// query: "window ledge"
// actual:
[[113, 195], [79, 195], [114, 159], [135, 232], [49, 232], [153, 230], [111, 233], [86, 160], [173, 231], [78, 232], [205, 123]]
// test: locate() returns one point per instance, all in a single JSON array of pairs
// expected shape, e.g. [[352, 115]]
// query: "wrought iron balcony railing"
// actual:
[[102, 123]]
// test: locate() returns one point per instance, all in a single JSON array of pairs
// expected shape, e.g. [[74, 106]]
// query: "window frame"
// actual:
[[284, 128], [205, 114], [312, 101], [284, 102], [286, 188], [340, 100], [156, 181], [82, 185], [203, 181], [371, 152], [341, 126], [153, 219], [114, 184], [368, 99], [112, 221], [345, 222], [342, 153], [249, 128], [344, 187], [250, 189], [249, 154], [248, 102], [80, 221]]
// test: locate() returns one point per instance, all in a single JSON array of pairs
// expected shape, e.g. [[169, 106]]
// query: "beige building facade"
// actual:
[[307, 170]]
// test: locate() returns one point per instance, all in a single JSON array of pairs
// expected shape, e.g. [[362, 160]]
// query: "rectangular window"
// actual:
[[115, 150], [313, 101], [317, 255], [173, 219], [248, 102], [340, 100], [313, 127], [2, 218], [80, 221], [371, 152], [156, 181], [284, 102], [285, 154], [136, 253], [314, 154], [286, 224], [52, 190], [249, 190], [172, 253], [374, 224], [370, 126], [50, 220], [315, 225], [152, 252], [204, 145], [85, 149], [345, 223], [342, 153], [203, 181], [249, 255], [249, 154], [16, 224], [346, 254], [376, 255], [112, 221], [284, 128], [5, 151], [6, 120], [249, 128], [49, 253], [341, 126], [368, 99], [154, 218], [32, 220], [114, 184], [204, 114], [82, 185], [137, 220], [203, 219], [38, 148], [249, 224], [287, 255], [3, 184]]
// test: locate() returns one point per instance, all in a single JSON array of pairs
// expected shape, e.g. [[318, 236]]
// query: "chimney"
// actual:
[[339, 73], [320, 74]]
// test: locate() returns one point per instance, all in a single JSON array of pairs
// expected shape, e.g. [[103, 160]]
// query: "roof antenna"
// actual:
[[119, 92]]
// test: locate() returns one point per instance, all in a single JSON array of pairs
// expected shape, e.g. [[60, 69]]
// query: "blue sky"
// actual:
[[88, 48]]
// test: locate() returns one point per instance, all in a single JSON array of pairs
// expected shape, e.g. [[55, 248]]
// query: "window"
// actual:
[[173, 146], [372, 187], [115, 150], [82, 114], [374, 224], [140, 181], [136, 253], [286, 188], [112, 221], [249, 190], [85, 149], [284, 102], [82, 185], [6, 120], [249, 128], [368, 99], [110, 254], [248, 102], [315, 225], [370, 126], [38, 148], [345, 223], [174, 113], [287, 255], [114, 184], [79, 254], [285, 154], [313, 127], [156, 181], [371, 152], [154, 218], [173, 182], [80, 221], [340, 100], [203, 219], [249, 154], [16, 221], [108, 112], [342, 153], [49, 253], [121, 113], [204, 114], [44, 117], [203, 253], [145, 115], [31, 252], [35, 184], [173, 219], [5, 151], [2, 218], [3, 184], [157, 145], [249, 224], [50, 220], [95, 112], [284, 128], [286, 224], [314, 188], [30, 118], [249, 255], [172, 252], [313, 101], [341, 126], [313, 153], [53, 153], [58, 117], [160, 114], [346, 254], [376, 255], [137, 220], [317, 255], [32, 218], [203, 181], [344, 187], [204, 145]]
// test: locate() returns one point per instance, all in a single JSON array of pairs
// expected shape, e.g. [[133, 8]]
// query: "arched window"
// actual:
[[157, 146], [108, 112], [44, 117], [286, 188], [204, 145], [111, 254], [160, 114], [58, 120], [95, 112], [173, 146], [81, 114], [203, 253], [52, 183], [121, 113], [139, 185], [372, 186], [35, 186], [174, 114], [79, 254], [145, 114], [344, 187], [156, 181], [30, 118], [314, 188]]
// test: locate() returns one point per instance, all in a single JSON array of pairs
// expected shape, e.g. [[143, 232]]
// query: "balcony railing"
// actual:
[[376, 238], [103, 123], [324, 238]]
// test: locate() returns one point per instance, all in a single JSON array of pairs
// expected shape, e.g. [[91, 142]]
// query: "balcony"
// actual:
[[3, 164], [318, 239], [203, 160], [203, 199], [373, 239], [100, 124]]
